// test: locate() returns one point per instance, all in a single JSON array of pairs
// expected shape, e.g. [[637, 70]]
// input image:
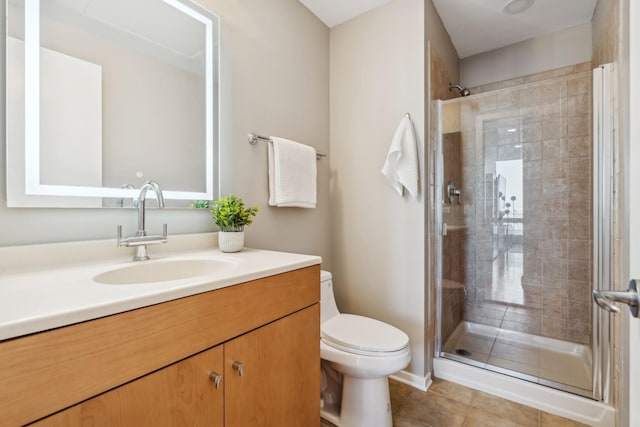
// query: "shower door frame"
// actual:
[[602, 160], [604, 86]]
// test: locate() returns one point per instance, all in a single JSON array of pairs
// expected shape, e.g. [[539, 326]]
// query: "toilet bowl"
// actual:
[[358, 354]]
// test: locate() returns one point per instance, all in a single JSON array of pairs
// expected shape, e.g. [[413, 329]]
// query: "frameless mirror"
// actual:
[[103, 95]]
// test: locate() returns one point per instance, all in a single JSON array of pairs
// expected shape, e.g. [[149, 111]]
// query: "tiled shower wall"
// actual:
[[453, 244], [439, 78], [552, 112]]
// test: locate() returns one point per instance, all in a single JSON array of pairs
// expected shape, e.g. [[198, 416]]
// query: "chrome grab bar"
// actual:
[[605, 299]]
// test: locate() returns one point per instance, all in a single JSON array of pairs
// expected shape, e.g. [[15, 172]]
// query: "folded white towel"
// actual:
[[401, 166], [292, 174]]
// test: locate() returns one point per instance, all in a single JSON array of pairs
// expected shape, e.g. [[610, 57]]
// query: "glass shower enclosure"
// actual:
[[513, 215]]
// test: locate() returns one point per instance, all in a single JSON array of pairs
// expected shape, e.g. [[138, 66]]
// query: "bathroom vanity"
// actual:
[[245, 354]]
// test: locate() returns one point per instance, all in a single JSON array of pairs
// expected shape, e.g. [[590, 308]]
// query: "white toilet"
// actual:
[[358, 353]]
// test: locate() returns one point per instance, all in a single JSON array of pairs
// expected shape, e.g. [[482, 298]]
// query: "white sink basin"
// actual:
[[162, 271]]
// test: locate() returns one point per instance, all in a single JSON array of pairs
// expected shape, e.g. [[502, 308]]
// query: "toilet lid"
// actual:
[[363, 334]]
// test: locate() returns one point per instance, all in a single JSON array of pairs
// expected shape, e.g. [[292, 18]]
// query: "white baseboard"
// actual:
[[415, 381]]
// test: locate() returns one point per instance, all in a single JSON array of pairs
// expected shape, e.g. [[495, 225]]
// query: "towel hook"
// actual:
[[407, 115]]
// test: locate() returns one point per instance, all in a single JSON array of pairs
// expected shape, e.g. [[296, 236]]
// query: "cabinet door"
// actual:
[[280, 381], [182, 394]]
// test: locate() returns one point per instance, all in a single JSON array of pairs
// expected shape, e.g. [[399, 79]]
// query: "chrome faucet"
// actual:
[[141, 240]]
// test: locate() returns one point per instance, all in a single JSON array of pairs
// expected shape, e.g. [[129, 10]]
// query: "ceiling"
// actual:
[[335, 12], [475, 26]]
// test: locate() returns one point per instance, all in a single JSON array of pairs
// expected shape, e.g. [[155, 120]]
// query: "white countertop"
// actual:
[[35, 298]]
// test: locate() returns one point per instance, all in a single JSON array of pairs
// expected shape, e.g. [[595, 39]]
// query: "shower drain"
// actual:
[[463, 352]]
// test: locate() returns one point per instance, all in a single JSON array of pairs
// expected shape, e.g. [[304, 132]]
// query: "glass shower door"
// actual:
[[514, 255]]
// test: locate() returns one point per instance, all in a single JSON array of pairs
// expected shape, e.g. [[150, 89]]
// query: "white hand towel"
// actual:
[[292, 174], [401, 166]]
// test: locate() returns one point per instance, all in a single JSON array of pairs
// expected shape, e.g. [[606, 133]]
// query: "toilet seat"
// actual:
[[363, 335]]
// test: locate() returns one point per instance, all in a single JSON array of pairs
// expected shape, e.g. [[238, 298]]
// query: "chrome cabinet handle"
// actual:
[[605, 299], [238, 367], [216, 378]]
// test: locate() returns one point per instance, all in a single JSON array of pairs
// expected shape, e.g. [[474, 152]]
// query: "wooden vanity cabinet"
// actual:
[[153, 366], [276, 361], [265, 382], [179, 395]]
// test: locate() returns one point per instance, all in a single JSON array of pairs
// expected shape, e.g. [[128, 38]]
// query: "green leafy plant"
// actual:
[[201, 204], [229, 213]]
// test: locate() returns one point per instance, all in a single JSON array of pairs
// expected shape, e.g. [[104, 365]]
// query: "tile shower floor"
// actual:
[[541, 360], [448, 404]]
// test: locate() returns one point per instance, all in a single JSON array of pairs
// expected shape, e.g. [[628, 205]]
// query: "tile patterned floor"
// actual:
[[451, 405]]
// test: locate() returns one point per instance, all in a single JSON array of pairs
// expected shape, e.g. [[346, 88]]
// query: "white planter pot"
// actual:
[[230, 241]]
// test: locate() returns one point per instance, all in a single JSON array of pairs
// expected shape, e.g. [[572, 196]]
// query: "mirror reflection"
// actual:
[[502, 142], [103, 95]]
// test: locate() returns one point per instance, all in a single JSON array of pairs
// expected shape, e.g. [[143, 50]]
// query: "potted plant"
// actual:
[[230, 214], [201, 204]]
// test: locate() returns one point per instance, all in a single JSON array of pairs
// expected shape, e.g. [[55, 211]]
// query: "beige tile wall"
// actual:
[[554, 110], [453, 244], [453, 272], [606, 32]]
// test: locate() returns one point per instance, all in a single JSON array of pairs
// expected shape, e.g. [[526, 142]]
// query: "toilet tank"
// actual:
[[328, 307]]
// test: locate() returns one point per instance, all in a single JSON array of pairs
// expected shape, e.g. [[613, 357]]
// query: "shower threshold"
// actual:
[[555, 363]]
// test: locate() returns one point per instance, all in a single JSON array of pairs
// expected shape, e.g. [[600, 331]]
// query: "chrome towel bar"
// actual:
[[254, 138]]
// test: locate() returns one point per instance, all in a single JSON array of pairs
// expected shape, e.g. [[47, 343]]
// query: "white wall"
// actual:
[[275, 80], [276, 73], [547, 52], [378, 251]]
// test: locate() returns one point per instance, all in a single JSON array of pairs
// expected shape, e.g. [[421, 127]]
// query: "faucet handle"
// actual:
[[119, 235]]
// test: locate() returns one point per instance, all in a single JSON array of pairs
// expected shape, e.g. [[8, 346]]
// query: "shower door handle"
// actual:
[[605, 299]]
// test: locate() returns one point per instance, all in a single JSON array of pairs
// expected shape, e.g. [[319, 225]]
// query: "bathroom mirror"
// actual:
[[103, 95]]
